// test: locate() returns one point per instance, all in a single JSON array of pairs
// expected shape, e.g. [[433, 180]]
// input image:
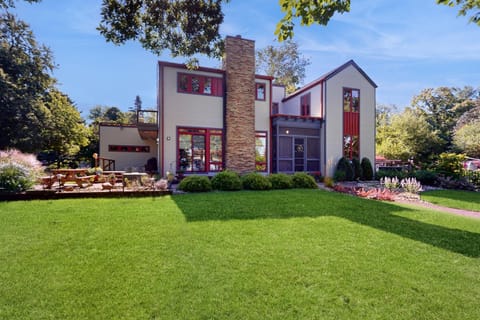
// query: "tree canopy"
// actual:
[[284, 63]]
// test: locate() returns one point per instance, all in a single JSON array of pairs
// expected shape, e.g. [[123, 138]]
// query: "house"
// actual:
[[210, 119]]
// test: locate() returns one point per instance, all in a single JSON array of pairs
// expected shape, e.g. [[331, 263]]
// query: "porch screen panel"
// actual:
[[285, 147]]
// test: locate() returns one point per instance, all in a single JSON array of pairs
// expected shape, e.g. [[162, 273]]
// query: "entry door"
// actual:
[[299, 154]]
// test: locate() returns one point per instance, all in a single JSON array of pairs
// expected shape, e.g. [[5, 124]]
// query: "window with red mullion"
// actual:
[[187, 83], [305, 105]]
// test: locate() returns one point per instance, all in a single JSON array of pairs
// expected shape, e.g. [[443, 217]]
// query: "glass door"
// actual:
[[299, 154]]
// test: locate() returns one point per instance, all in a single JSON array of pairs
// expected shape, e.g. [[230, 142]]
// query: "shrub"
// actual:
[[339, 176], [256, 181], [450, 164], [18, 171], [281, 181], [302, 180], [455, 183], [394, 172], [367, 169], [426, 177], [344, 165], [328, 182], [195, 183], [357, 169], [226, 181]]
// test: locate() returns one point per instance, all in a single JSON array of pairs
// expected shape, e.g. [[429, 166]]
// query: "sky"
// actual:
[[404, 46]]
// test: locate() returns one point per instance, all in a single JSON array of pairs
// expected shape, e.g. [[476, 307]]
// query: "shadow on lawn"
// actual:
[[314, 203]]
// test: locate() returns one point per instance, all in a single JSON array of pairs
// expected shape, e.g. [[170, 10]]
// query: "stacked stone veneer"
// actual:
[[239, 122]]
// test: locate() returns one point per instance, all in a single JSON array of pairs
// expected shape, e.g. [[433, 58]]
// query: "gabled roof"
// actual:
[[329, 75]]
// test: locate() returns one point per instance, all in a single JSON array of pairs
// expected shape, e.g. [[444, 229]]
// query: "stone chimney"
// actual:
[[239, 65]]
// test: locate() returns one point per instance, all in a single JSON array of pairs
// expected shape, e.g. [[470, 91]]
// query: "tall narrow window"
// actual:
[[305, 105], [261, 151], [351, 123], [260, 91], [275, 109]]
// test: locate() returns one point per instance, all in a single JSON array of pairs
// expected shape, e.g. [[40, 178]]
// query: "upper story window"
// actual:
[[275, 108], [351, 100], [260, 90], [199, 84], [305, 105]]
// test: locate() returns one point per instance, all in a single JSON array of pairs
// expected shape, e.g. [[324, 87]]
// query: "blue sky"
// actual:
[[404, 46]]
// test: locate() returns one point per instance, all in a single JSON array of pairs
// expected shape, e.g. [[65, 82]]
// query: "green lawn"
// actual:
[[297, 254], [466, 200]]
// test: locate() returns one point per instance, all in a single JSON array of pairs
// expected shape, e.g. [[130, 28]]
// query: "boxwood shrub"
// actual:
[[303, 181], [367, 169], [256, 181], [281, 181], [195, 183], [226, 181]]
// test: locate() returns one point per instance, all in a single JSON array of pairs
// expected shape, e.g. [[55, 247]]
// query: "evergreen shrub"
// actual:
[[195, 183], [227, 181], [255, 181], [367, 169], [303, 180], [281, 181]]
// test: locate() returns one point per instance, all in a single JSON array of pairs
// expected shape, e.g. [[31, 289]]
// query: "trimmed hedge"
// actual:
[[281, 181], [226, 181], [195, 183], [303, 180], [256, 181]]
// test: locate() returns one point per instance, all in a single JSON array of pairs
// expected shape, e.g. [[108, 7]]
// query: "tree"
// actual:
[[133, 111], [407, 135], [185, 27], [11, 3], [107, 114], [65, 132], [188, 27], [25, 80], [443, 106], [467, 139], [284, 63]]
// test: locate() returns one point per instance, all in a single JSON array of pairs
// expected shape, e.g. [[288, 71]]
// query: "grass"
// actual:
[[295, 254], [466, 200]]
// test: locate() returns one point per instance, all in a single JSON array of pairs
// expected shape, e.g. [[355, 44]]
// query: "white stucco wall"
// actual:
[[349, 77], [292, 105], [262, 109], [125, 136], [185, 110]]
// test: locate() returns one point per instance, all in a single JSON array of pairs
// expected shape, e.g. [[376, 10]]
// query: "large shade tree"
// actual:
[[283, 62], [35, 115], [443, 106], [25, 79], [405, 136]]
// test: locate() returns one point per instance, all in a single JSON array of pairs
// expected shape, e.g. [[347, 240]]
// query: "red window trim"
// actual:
[[207, 133], [128, 148], [216, 84], [351, 122], [305, 105]]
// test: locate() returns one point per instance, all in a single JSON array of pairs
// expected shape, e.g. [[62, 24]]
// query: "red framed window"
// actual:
[[125, 148], [199, 150], [305, 105], [261, 151], [199, 84], [260, 91], [351, 123]]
